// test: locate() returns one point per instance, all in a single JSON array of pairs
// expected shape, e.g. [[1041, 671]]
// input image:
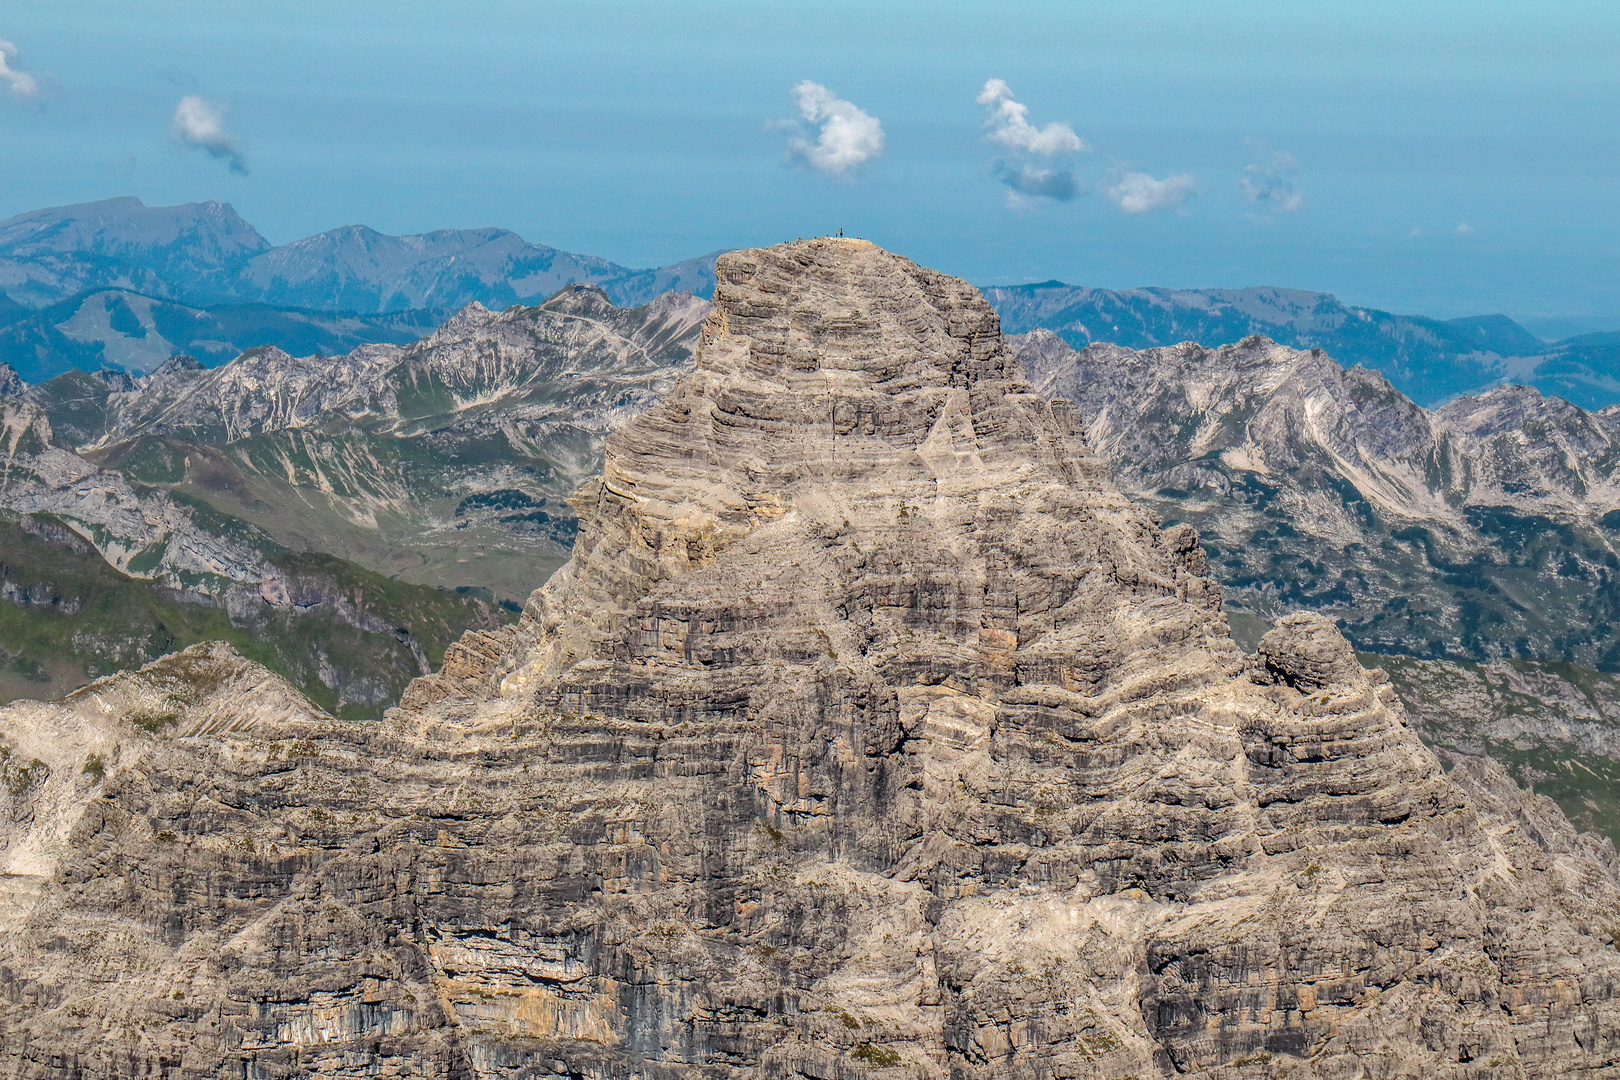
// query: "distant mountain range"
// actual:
[[206, 253], [1429, 360], [121, 284], [384, 499], [1485, 530], [135, 332]]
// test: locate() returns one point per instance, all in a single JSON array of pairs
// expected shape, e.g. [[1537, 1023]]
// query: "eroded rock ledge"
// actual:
[[869, 731]]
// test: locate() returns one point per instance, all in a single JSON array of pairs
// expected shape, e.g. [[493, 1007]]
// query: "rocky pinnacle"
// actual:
[[869, 731]]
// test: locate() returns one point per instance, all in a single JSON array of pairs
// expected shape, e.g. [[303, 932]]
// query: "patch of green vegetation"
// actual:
[[203, 581], [880, 1056], [32, 670], [29, 443], [1101, 1042], [75, 404], [95, 768], [505, 499], [20, 776], [150, 461], [154, 721], [121, 317], [148, 558], [1544, 589], [1247, 629], [1456, 704], [1585, 787], [304, 489], [420, 394], [224, 525], [92, 620]]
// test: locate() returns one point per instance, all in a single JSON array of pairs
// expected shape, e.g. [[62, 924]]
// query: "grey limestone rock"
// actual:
[[1306, 651], [870, 731]]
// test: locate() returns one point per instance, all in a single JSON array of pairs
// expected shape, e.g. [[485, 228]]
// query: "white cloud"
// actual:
[[1139, 193], [201, 124], [1009, 124], [1270, 184], [1029, 180], [1463, 228], [849, 137], [1031, 173], [22, 84]]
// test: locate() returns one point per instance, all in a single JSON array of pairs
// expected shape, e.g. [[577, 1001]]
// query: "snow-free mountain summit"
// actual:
[[869, 731]]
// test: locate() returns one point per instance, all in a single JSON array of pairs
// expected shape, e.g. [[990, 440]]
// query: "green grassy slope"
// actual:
[[389, 504], [1555, 727], [345, 640]]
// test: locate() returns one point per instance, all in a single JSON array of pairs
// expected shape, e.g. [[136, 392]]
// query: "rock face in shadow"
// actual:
[[870, 730]]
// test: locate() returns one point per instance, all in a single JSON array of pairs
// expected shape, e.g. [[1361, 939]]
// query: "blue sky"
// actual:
[[1447, 158]]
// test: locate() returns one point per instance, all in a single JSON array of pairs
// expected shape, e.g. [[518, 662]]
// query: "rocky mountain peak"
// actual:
[[941, 651], [1510, 407], [870, 730], [116, 381], [832, 372], [578, 296], [208, 232], [263, 356], [1306, 651], [471, 317], [11, 384], [178, 364]]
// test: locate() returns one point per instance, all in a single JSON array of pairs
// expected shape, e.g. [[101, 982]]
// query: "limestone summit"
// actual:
[[870, 731]]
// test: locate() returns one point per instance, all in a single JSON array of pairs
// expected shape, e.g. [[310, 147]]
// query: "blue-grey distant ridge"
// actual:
[[120, 284], [1429, 360]]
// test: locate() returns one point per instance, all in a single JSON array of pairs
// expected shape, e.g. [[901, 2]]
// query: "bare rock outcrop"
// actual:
[[869, 731], [55, 757], [1306, 651]]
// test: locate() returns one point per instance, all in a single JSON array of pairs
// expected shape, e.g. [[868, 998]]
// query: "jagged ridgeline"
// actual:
[[1486, 529], [869, 731], [341, 519], [119, 283], [1478, 539]]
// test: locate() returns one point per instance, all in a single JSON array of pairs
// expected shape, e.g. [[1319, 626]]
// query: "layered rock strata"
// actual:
[[869, 731]]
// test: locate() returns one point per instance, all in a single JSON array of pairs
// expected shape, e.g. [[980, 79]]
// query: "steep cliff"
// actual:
[[1480, 533], [870, 730]]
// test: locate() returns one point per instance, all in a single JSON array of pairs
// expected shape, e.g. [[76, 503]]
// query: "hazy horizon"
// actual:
[[1437, 158]]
